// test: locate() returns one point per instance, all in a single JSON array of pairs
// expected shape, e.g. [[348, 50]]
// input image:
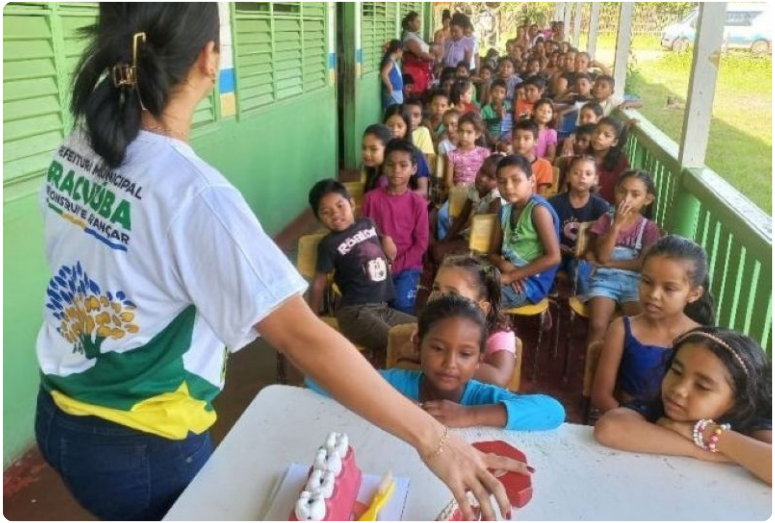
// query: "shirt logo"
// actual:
[[86, 316]]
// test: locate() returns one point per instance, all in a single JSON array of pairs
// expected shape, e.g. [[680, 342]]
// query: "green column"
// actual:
[[686, 212]]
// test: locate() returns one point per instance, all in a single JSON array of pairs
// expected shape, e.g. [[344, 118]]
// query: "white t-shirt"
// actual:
[[409, 35], [612, 103], [155, 267]]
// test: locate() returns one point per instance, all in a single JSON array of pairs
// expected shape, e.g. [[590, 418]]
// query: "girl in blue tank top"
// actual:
[[675, 299], [390, 74]]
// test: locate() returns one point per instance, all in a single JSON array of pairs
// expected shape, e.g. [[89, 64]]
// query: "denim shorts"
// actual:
[[511, 298], [615, 284], [113, 471]]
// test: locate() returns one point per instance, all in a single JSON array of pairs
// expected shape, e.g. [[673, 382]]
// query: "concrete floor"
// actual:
[[32, 491]]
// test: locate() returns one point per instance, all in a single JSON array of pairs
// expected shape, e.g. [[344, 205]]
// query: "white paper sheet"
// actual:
[[290, 485]]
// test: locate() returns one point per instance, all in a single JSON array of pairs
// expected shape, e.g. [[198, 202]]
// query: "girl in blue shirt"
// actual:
[[451, 334]]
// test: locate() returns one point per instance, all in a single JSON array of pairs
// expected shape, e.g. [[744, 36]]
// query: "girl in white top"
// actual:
[[158, 263]]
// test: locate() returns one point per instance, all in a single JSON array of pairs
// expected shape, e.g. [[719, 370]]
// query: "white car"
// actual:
[[747, 26]]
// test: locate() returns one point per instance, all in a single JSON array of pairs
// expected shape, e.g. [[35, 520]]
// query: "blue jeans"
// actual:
[[115, 472], [406, 283], [443, 225]]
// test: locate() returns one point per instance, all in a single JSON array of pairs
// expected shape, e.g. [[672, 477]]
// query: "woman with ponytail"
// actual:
[[157, 264]]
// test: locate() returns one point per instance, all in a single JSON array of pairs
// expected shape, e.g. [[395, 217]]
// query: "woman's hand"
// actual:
[[463, 468], [449, 413]]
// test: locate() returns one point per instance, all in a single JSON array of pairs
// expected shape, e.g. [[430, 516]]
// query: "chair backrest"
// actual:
[[590, 365], [401, 352], [582, 239], [482, 227], [356, 190], [457, 199], [555, 188], [307, 254], [432, 159], [439, 166], [516, 377]]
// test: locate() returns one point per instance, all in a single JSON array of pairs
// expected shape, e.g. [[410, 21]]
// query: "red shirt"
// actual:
[[607, 178], [522, 109]]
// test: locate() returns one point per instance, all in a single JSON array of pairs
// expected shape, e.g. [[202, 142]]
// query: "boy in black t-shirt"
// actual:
[[360, 258]]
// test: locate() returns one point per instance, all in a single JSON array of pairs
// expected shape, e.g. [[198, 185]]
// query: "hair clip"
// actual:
[[126, 75]]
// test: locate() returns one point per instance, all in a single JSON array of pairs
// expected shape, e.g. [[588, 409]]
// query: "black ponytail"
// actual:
[[175, 34], [679, 248]]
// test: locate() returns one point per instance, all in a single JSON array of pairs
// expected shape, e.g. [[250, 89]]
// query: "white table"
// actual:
[[575, 478]]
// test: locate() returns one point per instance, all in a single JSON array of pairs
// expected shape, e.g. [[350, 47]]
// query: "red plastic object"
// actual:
[[519, 487]]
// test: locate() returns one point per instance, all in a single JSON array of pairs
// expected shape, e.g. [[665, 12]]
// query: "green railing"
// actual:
[[735, 233]]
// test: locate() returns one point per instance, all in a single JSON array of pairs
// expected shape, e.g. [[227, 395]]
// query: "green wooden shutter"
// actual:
[[315, 45], [368, 23], [378, 26], [32, 113], [287, 54], [72, 17], [408, 7], [253, 60], [281, 51]]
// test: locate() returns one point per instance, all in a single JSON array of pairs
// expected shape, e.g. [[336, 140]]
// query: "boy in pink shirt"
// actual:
[[402, 216]]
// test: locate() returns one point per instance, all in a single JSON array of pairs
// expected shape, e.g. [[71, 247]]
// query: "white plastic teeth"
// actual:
[[338, 442], [321, 481], [310, 507], [328, 461]]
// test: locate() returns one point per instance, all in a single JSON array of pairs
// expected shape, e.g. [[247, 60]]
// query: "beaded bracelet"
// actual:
[[697, 431], [714, 437], [440, 449]]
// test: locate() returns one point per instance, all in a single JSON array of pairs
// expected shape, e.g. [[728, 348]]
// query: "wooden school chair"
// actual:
[[457, 200], [401, 353], [555, 188], [480, 242], [356, 190], [482, 229]]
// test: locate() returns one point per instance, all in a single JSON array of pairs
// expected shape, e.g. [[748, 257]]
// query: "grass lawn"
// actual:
[[740, 143]]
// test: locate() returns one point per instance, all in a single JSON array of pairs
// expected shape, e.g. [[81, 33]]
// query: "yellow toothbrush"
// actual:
[[385, 489]]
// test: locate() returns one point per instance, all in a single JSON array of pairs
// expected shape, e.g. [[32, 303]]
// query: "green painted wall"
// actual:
[[24, 281], [275, 154]]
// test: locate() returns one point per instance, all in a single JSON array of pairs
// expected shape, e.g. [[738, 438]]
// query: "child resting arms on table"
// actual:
[[715, 404], [451, 334]]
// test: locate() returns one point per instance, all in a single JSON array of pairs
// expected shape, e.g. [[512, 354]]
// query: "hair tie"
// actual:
[[124, 74], [719, 341]]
